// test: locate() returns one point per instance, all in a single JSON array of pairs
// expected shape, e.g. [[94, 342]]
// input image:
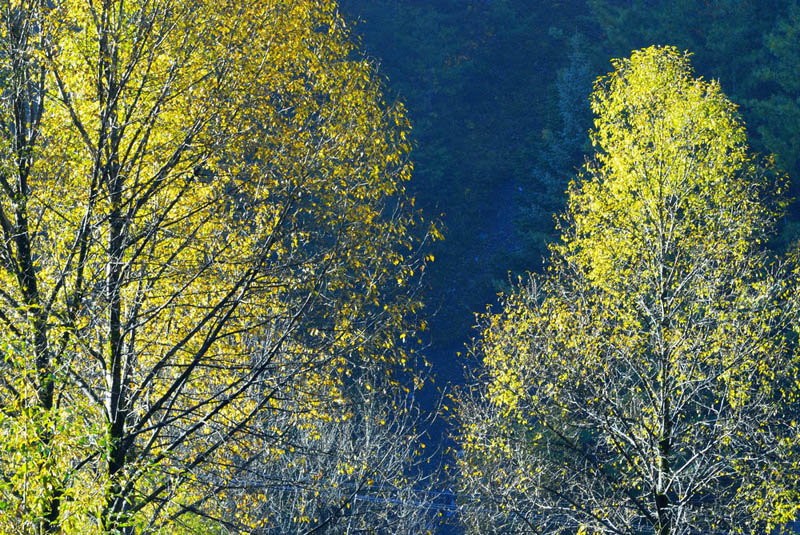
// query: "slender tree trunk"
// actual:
[[664, 448], [116, 502], [27, 86]]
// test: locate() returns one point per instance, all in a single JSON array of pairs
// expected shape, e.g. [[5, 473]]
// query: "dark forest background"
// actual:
[[498, 90]]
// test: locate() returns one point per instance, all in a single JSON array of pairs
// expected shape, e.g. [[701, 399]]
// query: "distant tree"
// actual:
[[779, 111], [648, 383], [561, 152], [204, 234]]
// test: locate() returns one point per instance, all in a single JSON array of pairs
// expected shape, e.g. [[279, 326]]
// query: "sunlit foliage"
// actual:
[[205, 237], [647, 383]]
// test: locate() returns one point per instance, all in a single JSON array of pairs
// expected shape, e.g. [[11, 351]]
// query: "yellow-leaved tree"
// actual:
[[648, 382], [205, 243]]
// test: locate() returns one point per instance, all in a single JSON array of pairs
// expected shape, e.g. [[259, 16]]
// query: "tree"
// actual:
[[781, 107], [648, 382], [204, 228], [561, 152]]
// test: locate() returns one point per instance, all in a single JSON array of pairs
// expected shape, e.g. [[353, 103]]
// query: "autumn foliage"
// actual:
[[648, 382], [205, 244]]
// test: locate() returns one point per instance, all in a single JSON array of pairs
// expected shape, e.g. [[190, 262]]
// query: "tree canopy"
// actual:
[[205, 244], [648, 382]]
